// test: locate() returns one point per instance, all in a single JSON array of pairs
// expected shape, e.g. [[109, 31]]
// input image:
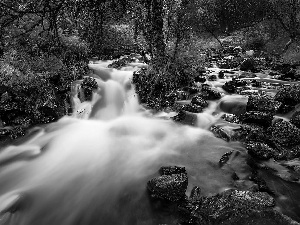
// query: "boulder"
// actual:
[[262, 103], [284, 133], [289, 95], [210, 94], [231, 86], [198, 100], [234, 104], [168, 187], [260, 150]]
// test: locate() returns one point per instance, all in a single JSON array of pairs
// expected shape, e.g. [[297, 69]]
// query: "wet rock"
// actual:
[[234, 104], [231, 118], [248, 65], [198, 100], [195, 195], [186, 118], [289, 95], [212, 77], [192, 108], [261, 118], [242, 133], [169, 170], [260, 150], [221, 74], [220, 133], [88, 85], [284, 133], [168, 187], [295, 119], [231, 86], [263, 103], [210, 94], [179, 95]]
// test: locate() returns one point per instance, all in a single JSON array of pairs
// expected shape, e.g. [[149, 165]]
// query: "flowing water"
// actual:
[[92, 167]]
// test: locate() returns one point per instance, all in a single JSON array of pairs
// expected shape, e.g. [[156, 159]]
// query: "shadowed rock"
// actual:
[[263, 103], [169, 187]]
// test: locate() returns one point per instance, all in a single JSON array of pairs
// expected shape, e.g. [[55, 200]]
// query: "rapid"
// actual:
[[92, 167]]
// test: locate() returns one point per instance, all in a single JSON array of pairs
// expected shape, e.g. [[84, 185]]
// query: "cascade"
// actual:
[[92, 167]]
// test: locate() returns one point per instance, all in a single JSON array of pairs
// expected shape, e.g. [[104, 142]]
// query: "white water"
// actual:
[[92, 167]]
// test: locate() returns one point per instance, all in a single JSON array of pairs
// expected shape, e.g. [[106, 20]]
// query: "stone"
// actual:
[[198, 100], [168, 187], [186, 118], [210, 94], [263, 103], [221, 74], [284, 133], [289, 95], [195, 195], [224, 159], [192, 108], [233, 104], [231, 118]]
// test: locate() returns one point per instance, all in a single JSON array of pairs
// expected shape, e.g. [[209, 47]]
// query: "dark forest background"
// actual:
[[46, 44]]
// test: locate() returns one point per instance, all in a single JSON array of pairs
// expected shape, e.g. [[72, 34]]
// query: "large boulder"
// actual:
[[289, 95], [284, 133], [261, 150], [263, 103]]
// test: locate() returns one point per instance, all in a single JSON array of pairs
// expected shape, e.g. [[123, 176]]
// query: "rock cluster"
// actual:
[[229, 207]]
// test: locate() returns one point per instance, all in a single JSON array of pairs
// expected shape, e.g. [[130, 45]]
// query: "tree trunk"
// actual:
[[159, 46]]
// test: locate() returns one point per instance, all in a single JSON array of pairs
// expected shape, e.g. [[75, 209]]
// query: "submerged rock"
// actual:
[[169, 187], [220, 133]]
